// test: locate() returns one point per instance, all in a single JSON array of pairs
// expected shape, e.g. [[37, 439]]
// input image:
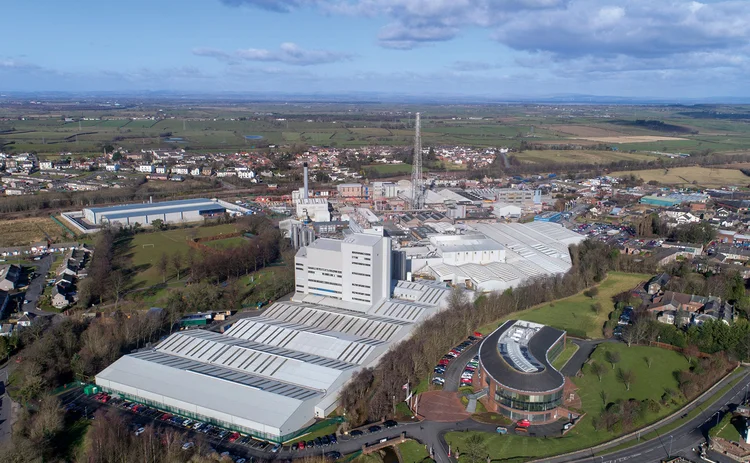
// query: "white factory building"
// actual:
[[496, 256], [355, 270], [272, 375]]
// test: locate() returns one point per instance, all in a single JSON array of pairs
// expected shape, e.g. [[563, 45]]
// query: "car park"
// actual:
[[374, 428]]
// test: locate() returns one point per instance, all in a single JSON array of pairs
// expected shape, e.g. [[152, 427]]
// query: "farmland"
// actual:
[[635, 130], [687, 176], [22, 232]]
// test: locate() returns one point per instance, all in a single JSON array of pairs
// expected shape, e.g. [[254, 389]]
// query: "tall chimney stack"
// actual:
[[305, 194]]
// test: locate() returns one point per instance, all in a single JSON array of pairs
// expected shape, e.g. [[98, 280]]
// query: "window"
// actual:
[[360, 263], [360, 286], [360, 274], [361, 300]]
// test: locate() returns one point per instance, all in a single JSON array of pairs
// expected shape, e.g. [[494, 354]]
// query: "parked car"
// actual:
[[356, 433], [567, 426], [295, 446], [140, 431], [325, 440], [187, 445], [310, 444], [523, 423], [444, 362], [234, 436], [276, 448], [333, 439], [374, 428], [390, 424], [439, 369], [437, 380], [333, 455], [501, 430], [302, 445]]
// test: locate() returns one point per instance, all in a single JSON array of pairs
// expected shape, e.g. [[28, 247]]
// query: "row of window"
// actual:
[[325, 282], [324, 269], [325, 274], [360, 300], [360, 274], [325, 290], [361, 294], [361, 286], [360, 263], [362, 253]]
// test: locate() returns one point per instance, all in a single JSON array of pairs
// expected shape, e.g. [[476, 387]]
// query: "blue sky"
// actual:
[[494, 48]]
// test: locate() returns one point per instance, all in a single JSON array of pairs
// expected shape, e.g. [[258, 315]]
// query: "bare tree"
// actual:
[[177, 263], [613, 357], [161, 266], [598, 369], [627, 377]]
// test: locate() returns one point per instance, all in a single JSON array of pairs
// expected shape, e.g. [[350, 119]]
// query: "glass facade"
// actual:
[[528, 402]]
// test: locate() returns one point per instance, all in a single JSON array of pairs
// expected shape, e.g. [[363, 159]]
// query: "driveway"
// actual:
[[36, 287], [576, 362], [456, 367]]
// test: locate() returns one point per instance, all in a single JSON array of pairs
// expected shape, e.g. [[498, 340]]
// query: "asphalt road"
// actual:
[[456, 367], [576, 362], [36, 287]]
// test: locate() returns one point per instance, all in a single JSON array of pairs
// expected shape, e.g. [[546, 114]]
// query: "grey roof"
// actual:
[[541, 378], [136, 207], [166, 210]]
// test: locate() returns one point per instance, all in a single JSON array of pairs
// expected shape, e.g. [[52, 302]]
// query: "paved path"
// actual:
[[36, 287], [585, 349], [442, 406]]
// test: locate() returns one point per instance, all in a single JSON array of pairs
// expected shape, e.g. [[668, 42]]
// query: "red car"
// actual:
[[234, 436], [523, 423], [477, 334], [301, 445], [444, 362]]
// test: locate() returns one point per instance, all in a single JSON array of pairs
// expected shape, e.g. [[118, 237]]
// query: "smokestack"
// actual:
[[305, 194]]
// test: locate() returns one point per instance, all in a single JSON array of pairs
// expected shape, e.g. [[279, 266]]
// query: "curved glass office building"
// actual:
[[515, 363]]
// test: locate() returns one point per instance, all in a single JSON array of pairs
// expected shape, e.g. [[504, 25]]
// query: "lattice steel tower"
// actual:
[[417, 182]]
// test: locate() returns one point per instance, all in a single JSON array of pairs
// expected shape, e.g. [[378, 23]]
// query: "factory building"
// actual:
[[272, 375], [516, 364], [356, 269], [188, 210]]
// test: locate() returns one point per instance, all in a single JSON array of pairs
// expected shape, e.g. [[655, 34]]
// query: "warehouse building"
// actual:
[[272, 375], [516, 364], [187, 210], [497, 256]]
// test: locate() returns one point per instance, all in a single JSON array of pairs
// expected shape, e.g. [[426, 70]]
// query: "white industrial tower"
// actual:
[[417, 182]]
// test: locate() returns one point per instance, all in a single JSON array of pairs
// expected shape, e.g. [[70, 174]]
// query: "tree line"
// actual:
[[369, 395]]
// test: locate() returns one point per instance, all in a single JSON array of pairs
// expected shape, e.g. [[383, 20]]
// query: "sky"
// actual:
[[488, 48]]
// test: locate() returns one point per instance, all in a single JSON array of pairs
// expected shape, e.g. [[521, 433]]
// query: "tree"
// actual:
[[177, 263], [613, 357], [161, 266], [591, 292], [598, 369], [649, 360], [691, 352], [157, 224], [118, 282], [475, 450], [627, 377], [596, 307]]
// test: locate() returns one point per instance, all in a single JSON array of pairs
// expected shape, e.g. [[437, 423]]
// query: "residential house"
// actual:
[[10, 277], [6, 329], [207, 171], [112, 167], [181, 170], [26, 319], [246, 174], [147, 168], [59, 297], [195, 171], [671, 300], [162, 170], [657, 283], [46, 165]]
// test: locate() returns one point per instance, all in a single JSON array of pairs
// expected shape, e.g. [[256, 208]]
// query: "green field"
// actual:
[[146, 249], [574, 314], [565, 355], [650, 383], [394, 169], [688, 176], [226, 243], [413, 452]]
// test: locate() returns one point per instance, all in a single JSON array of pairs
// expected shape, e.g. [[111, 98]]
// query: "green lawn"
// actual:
[[728, 428], [413, 452], [649, 383], [565, 355], [227, 243], [319, 432], [146, 248], [574, 314], [394, 169]]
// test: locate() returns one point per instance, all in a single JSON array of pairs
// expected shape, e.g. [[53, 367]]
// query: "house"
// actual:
[[680, 301], [657, 283], [207, 171], [10, 277], [162, 170], [674, 317], [246, 174], [195, 171], [715, 310], [59, 298], [6, 329], [147, 168], [46, 165], [26, 319], [181, 170], [112, 167]]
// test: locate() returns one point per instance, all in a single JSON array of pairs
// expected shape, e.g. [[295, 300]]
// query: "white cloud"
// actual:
[[288, 53]]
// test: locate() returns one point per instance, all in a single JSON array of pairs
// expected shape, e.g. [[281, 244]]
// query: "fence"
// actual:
[[681, 350]]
